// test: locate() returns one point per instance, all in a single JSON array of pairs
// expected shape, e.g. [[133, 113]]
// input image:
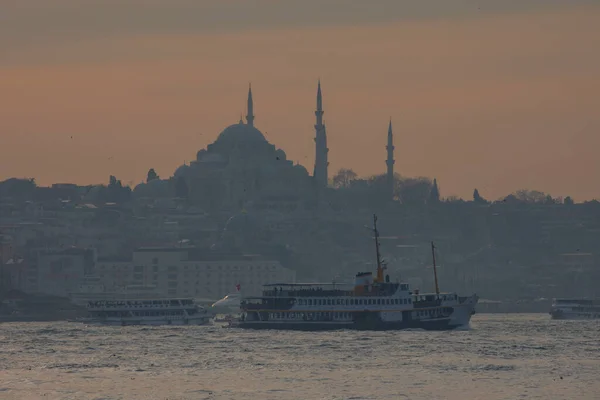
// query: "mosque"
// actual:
[[241, 169]]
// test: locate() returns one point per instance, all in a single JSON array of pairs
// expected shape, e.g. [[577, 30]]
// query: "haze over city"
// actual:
[[194, 195], [495, 95]]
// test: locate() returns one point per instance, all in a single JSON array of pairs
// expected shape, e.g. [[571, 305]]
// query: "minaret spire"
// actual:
[[250, 116], [390, 161], [319, 98], [321, 150]]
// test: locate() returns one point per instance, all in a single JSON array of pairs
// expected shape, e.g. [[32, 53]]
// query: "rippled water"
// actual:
[[499, 357]]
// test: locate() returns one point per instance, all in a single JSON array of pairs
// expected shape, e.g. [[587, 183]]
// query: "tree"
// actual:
[[181, 188], [113, 182], [434, 194], [344, 178], [17, 187], [549, 200], [152, 175], [453, 199], [477, 198], [414, 191], [530, 196], [568, 201], [116, 192]]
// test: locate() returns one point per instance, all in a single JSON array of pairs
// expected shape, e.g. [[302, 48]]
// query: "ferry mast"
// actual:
[[379, 267], [437, 288]]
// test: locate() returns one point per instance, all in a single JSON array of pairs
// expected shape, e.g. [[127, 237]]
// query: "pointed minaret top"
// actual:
[[390, 127], [319, 97], [250, 116]]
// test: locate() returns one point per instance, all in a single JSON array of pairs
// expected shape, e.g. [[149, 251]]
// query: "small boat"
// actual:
[[169, 311], [228, 308]]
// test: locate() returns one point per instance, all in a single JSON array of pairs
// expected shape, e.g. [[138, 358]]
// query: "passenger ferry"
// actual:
[[146, 312], [575, 309], [372, 303]]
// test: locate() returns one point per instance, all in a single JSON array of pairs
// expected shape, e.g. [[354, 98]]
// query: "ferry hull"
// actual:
[[458, 319], [433, 325], [146, 322], [574, 316]]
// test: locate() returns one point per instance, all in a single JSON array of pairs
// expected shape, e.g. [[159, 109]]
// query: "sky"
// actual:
[[487, 94]]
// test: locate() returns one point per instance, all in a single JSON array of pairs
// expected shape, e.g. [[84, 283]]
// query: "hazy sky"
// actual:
[[498, 95]]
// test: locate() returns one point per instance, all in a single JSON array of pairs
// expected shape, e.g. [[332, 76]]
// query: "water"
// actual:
[[526, 356]]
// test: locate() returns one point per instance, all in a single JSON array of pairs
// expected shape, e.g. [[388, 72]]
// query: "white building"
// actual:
[[192, 272]]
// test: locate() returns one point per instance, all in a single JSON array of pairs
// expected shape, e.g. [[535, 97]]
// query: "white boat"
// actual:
[[172, 311], [575, 309], [228, 305]]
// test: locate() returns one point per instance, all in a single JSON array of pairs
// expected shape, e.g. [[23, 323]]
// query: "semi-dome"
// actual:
[[240, 133]]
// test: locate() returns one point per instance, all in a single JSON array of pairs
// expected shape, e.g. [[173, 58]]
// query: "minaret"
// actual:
[[250, 116], [321, 150], [390, 161]]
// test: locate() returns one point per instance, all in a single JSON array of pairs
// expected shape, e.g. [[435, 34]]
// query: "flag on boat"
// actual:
[[238, 287]]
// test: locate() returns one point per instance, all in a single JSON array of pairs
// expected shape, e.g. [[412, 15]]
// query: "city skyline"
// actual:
[[519, 112]]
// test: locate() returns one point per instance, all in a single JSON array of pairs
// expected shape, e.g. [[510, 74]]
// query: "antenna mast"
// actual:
[[437, 289], [379, 268]]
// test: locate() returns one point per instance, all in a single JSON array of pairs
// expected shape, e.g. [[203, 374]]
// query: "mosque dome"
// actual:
[[241, 133], [154, 188], [281, 156], [300, 170], [181, 170]]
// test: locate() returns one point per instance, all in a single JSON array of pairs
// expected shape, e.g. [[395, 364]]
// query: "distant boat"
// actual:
[[372, 303], [228, 305], [168, 311], [575, 309]]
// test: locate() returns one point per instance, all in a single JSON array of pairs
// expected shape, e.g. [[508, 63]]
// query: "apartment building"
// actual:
[[192, 272]]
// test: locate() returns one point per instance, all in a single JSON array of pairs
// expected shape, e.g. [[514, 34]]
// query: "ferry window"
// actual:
[[328, 302], [347, 301], [309, 302], [409, 301]]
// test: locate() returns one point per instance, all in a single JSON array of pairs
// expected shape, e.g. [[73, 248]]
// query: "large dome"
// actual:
[[240, 133]]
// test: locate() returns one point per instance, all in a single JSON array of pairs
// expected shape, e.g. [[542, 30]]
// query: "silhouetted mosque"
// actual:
[[242, 167]]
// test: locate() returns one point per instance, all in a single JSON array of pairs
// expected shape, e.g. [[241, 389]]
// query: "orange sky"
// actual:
[[496, 100]]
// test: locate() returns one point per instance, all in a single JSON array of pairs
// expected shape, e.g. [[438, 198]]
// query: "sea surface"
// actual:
[[501, 356]]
